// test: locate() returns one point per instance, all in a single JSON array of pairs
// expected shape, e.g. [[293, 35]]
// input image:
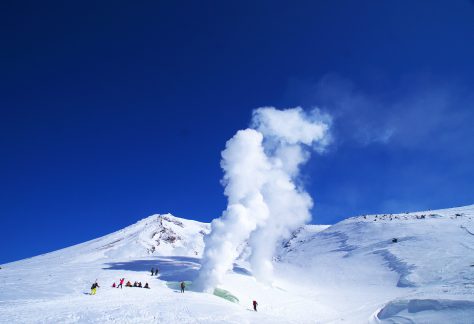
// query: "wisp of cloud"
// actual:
[[265, 203]]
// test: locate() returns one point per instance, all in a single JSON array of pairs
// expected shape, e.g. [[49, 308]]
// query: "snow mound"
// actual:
[[427, 311]]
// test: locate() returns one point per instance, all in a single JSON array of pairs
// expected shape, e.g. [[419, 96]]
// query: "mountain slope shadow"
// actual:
[[172, 268]]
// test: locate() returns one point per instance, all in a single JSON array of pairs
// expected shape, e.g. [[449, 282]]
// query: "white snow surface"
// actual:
[[350, 272]]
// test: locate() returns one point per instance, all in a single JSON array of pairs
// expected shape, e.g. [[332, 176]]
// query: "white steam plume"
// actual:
[[245, 165], [261, 168], [288, 134]]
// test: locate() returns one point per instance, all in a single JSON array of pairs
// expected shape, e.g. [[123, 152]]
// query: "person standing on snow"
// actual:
[[94, 287], [255, 305], [152, 271], [121, 283], [182, 286]]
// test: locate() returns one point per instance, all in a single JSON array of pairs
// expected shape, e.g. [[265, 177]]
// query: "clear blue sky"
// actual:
[[112, 111]]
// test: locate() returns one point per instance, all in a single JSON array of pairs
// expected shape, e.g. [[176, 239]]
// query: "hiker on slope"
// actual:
[[255, 304], [94, 287]]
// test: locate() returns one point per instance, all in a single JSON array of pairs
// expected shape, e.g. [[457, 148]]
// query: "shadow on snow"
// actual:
[[172, 268]]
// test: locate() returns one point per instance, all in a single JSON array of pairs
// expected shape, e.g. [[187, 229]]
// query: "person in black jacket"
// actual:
[[94, 287]]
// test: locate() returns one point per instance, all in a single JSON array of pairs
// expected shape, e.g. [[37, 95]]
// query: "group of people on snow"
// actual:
[[154, 272], [182, 285], [95, 285], [129, 284]]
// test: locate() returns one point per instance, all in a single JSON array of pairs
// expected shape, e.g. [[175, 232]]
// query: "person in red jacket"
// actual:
[[121, 283], [255, 305]]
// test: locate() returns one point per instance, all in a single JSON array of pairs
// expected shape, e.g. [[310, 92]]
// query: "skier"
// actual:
[[255, 305], [121, 283], [182, 286], [152, 271], [156, 271], [94, 287]]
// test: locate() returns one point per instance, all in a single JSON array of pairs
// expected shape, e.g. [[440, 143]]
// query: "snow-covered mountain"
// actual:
[[155, 235], [403, 268]]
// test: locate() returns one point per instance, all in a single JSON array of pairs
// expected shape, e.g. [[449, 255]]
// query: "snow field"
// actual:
[[350, 272]]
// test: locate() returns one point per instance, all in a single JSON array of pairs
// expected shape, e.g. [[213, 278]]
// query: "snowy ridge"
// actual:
[[466, 212], [154, 235], [401, 268]]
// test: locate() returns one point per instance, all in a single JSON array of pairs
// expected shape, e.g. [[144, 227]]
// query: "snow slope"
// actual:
[[350, 272], [431, 264]]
